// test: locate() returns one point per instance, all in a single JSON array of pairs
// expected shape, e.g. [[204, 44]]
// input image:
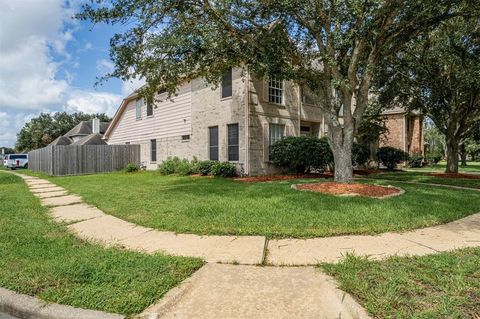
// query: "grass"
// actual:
[[445, 285], [227, 207], [472, 167], [40, 258], [421, 177]]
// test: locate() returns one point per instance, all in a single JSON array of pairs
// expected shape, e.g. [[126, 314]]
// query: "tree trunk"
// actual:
[[463, 155], [452, 155], [342, 156], [341, 141]]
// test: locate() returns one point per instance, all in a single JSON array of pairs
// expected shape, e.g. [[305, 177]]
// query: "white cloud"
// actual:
[[105, 66], [29, 30], [129, 86], [34, 38], [93, 102], [10, 124]]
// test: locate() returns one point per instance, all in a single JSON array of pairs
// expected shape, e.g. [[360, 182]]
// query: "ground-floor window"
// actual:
[[213, 143], [276, 133], [233, 149], [153, 150]]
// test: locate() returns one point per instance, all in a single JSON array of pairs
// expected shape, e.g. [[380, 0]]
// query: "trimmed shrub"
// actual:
[[223, 169], [415, 161], [433, 157], [194, 163], [205, 167], [360, 154], [391, 156], [184, 168], [131, 168], [169, 166], [301, 154]]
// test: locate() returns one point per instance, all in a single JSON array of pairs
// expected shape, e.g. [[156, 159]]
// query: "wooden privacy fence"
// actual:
[[60, 160]]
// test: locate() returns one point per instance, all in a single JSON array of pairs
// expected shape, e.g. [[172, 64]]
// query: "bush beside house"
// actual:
[[184, 167], [390, 157], [307, 154]]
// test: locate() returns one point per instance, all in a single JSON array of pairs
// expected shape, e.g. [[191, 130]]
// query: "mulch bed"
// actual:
[[270, 178], [454, 175], [333, 188], [280, 177]]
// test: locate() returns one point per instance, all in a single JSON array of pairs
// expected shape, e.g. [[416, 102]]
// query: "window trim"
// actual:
[[210, 144], [138, 109], [237, 145], [231, 86], [149, 104], [270, 144], [282, 90], [153, 142]]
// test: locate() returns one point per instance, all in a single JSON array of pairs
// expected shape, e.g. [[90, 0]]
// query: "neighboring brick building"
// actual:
[[236, 122], [405, 131]]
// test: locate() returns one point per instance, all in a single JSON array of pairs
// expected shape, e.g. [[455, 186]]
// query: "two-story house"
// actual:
[[236, 122]]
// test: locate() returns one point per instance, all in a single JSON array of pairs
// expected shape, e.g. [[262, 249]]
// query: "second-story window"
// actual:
[[275, 90], [150, 106], [227, 84], [138, 109]]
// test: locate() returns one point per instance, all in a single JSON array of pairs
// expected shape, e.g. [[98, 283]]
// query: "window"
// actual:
[[275, 91], [276, 133], [14, 157], [213, 142], [227, 84], [307, 97], [305, 131], [233, 151], [127, 143], [185, 137], [138, 109], [153, 150], [150, 106]]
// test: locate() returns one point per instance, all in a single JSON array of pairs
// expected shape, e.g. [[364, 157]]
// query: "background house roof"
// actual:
[[62, 140], [91, 139], [85, 128]]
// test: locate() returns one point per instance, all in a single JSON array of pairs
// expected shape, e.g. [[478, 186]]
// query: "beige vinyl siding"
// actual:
[[170, 118]]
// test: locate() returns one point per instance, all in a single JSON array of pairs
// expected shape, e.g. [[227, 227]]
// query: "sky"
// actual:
[[50, 62]]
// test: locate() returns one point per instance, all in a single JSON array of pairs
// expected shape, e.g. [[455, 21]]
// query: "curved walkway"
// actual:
[[91, 223]]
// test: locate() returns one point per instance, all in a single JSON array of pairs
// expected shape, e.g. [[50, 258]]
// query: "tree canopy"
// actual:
[[45, 128], [439, 74], [330, 47]]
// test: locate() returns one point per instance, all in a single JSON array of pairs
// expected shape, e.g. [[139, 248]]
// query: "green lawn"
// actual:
[[40, 258], [445, 285], [471, 167], [421, 177], [220, 206]]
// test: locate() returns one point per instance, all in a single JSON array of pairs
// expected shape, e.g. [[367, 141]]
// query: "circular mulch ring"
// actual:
[[339, 189], [454, 175]]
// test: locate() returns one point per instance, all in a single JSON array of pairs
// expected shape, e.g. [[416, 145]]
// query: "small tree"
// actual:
[[329, 47]]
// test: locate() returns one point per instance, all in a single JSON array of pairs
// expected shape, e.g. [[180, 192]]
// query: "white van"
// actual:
[[15, 161]]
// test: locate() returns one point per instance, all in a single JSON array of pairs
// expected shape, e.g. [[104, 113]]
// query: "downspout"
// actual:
[[300, 105], [247, 123], [404, 133]]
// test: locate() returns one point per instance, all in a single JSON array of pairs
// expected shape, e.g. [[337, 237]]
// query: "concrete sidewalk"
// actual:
[[237, 292]]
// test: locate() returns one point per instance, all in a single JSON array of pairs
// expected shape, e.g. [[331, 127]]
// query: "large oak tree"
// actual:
[[330, 47], [439, 73]]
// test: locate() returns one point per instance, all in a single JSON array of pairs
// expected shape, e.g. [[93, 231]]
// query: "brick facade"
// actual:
[[405, 131]]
